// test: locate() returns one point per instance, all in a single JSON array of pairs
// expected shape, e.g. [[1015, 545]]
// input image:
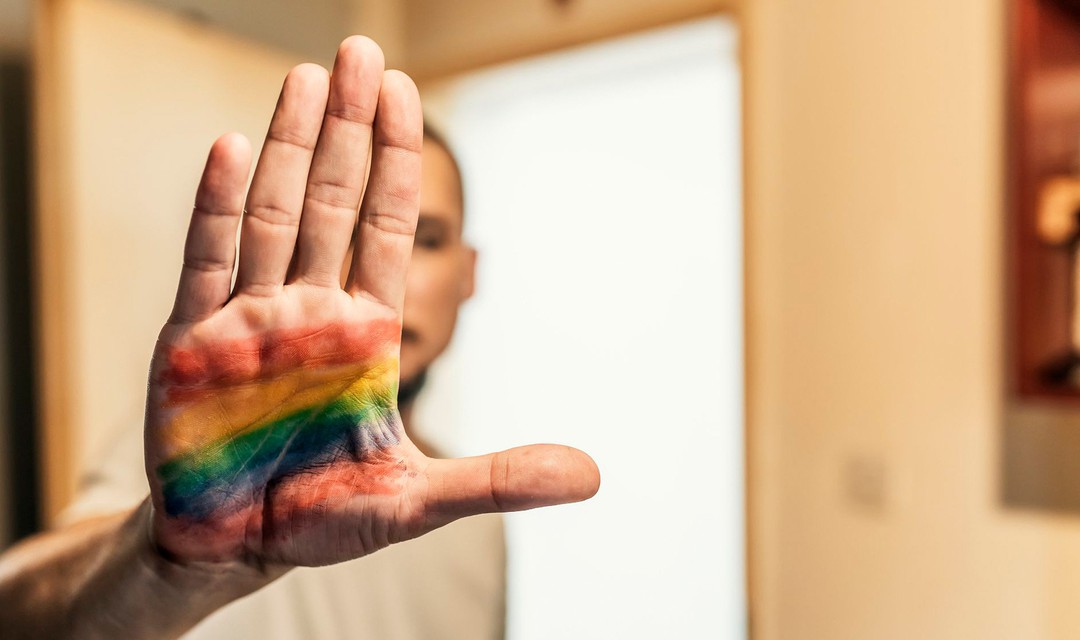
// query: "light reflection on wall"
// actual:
[[603, 194]]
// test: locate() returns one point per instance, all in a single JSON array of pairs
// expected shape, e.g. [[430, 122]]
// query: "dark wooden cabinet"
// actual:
[[1044, 140]]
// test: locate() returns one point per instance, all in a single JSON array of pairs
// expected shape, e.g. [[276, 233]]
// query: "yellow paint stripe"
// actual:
[[231, 412]]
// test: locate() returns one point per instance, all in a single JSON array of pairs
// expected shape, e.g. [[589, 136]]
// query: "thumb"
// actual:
[[521, 478]]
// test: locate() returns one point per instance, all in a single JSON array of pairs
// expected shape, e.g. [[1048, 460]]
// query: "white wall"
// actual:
[[603, 189]]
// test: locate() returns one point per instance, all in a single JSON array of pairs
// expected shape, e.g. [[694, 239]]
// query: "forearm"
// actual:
[[105, 579]]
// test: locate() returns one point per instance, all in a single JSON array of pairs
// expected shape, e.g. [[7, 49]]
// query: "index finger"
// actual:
[[391, 206]]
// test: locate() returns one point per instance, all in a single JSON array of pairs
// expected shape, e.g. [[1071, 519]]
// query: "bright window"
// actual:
[[603, 189]]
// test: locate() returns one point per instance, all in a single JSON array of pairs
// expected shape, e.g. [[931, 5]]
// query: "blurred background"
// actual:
[[842, 235]]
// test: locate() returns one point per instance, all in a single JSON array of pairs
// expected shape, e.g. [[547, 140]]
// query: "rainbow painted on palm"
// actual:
[[255, 411]]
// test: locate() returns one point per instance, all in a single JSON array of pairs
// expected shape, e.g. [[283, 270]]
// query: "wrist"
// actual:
[[208, 583], [136, 590]]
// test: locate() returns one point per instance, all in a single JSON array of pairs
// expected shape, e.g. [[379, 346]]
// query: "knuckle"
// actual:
[[333, 195], [391, 223], [272, 214]]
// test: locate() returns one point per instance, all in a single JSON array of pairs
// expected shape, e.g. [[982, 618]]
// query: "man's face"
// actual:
[[441, 274]]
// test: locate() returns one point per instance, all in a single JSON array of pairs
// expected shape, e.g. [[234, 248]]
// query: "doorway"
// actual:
[[603, 193]]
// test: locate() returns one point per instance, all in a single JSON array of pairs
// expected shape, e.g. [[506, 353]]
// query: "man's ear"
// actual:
[[468, 275]]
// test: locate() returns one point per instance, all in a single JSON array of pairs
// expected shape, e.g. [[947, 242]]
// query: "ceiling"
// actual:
[[310, 28]]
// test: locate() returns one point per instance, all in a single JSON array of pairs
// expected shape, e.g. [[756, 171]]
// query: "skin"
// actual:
[[272, 433], [442, 272]]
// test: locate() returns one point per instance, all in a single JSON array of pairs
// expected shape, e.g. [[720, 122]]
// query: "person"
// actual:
[[272, 436]]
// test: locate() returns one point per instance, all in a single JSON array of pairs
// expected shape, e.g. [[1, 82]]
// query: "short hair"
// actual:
[[433, 134]]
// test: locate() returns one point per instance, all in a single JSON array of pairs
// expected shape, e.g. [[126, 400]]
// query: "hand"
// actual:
[[272, 431]]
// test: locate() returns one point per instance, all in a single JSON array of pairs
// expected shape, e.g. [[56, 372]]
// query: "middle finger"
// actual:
[[336, 182]]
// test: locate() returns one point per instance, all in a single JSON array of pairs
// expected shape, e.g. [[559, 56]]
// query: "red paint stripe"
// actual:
[[229, 362]]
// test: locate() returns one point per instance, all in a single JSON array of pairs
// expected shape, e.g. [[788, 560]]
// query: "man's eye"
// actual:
[[429, 240], [432, 234]]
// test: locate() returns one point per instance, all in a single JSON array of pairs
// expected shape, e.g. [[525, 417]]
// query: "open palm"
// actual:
[[272, 432]]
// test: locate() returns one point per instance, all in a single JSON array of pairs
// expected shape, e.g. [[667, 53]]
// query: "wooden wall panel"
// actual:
[[129, 99]]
